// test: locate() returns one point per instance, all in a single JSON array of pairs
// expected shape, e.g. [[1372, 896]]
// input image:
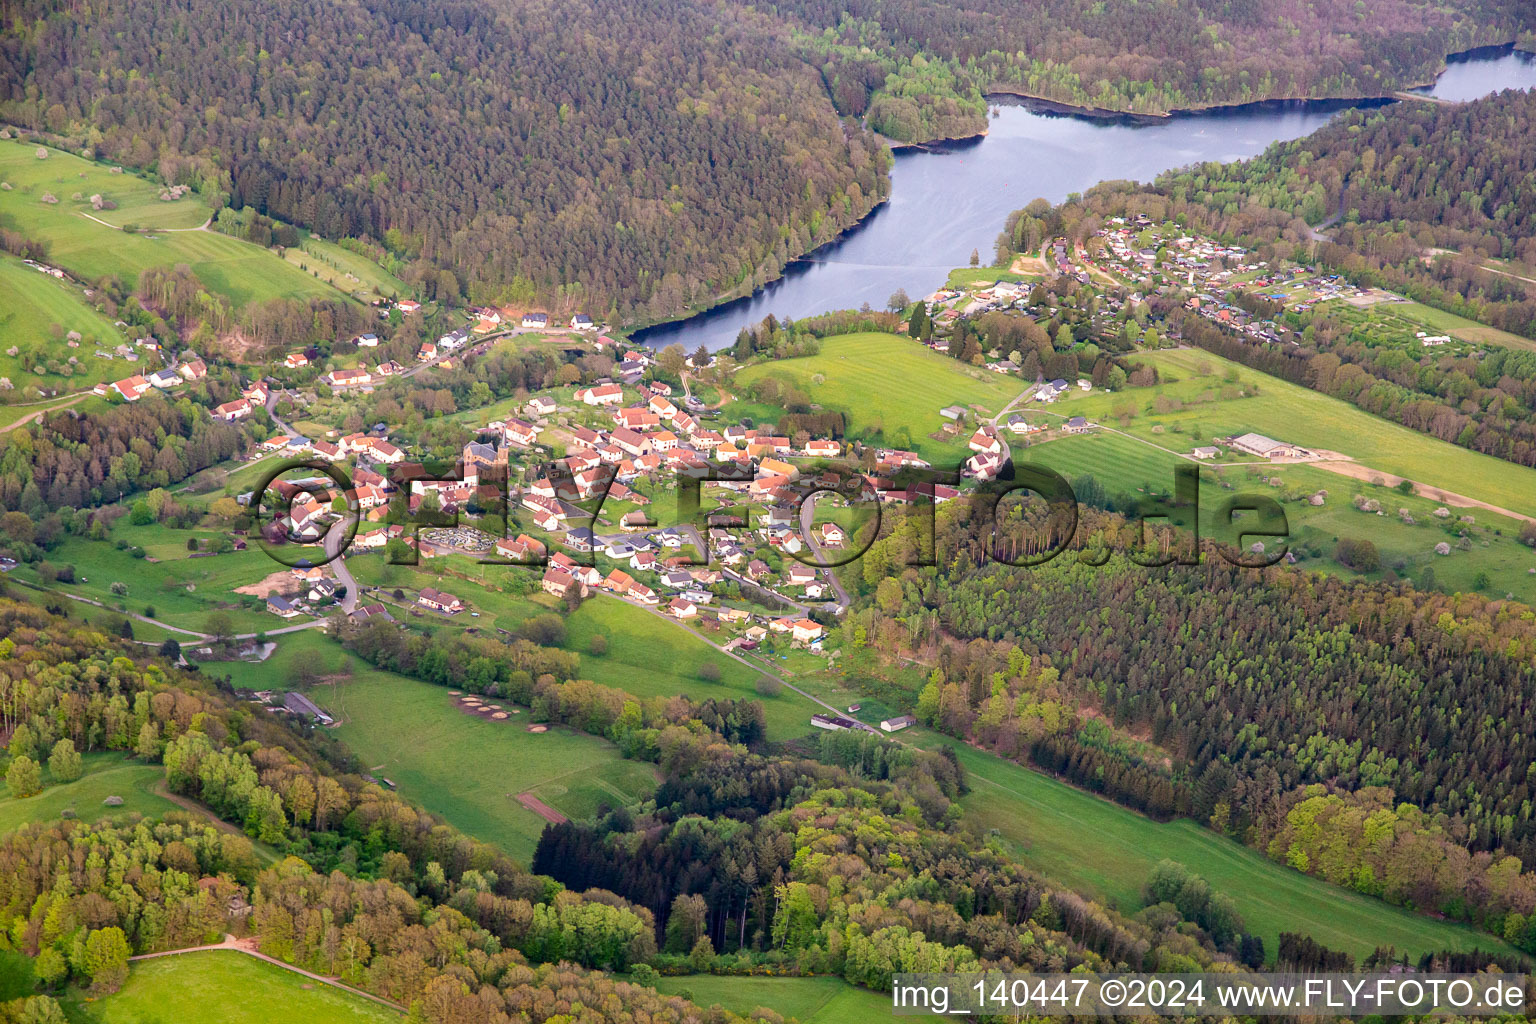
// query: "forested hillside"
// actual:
[[636, 156], [1148, 57], [1224, 694], [639, 158], [1410, 180]]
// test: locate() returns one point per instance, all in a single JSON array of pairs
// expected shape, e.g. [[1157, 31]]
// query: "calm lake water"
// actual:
[[950, 199]]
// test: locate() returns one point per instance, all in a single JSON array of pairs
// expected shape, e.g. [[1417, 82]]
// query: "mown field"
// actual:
[[890, 384], [224, 987], [467, 768], [38, 314], [167, 232], [821, 1000], [1108, 851], [106, 774], [1288, 412]]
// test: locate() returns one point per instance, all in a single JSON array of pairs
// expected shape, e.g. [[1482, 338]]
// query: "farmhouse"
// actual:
[[601, 394], [193, 369], [897, 724], [1266, 447], [239, 409], [298, 704], [279, 605], [805, 631], [542, 405], [131, 388], [557, 582], [164, 379], [352, 378], [439, 601]]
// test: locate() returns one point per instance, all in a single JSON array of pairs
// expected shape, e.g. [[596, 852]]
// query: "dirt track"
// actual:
[[1356, 471], [541, 808]]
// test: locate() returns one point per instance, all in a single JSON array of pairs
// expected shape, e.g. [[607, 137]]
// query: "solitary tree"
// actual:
[[64, 761], [898, 300], [975, 257], [23, 777]]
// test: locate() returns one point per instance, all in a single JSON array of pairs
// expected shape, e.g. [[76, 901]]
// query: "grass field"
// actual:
[[822, 1000], [891, 384], [647, 655], [106, 774], [471, 769], [1103, 849], [167, 233], [1131, 466], [38, 313], [652, 657], [224, 987], [182, 590], [344, 269], [1296, 414]]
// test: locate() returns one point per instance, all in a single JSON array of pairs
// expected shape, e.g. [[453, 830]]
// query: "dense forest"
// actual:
[[1223, 693], [630, 157]]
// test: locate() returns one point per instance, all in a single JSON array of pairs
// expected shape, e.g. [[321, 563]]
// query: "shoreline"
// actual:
[[637, 334], [1046, 105], [726, 299]]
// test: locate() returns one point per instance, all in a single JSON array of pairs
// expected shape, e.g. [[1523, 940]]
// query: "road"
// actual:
[[808, 534], [311, 624], [335, 539]]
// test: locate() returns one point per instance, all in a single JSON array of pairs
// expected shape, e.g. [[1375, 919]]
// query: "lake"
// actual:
[[949, 199]]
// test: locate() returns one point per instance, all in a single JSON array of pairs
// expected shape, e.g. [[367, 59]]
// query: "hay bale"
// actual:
[[499, 715], [113, 801], [538, 728], [455, 693]]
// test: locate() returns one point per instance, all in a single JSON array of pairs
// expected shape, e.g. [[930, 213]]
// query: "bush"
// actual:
[[546, 630], [709, 672], [769, 687], [1359, 555]]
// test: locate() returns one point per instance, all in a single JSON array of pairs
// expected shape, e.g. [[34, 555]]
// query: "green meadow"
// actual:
[[1197, 412], [39, 313], [889, 384], [181, 589], [1491, 551], [167, 232], [647, 655], [225, 987], [344, 269], [106, 775], [469, 768], [1108, 851], [650, 656]]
